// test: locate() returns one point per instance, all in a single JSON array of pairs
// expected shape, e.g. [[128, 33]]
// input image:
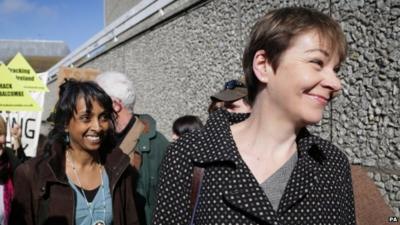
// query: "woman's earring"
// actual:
[[66, 138]]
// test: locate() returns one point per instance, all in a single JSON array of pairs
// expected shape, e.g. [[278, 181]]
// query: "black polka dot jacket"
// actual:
[[319, 190]]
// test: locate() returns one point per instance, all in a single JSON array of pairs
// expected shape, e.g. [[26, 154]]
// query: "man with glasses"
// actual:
[[233, 97]]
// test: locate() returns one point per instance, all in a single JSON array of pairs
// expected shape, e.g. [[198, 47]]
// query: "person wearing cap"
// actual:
[[233, 98], [8, 163]]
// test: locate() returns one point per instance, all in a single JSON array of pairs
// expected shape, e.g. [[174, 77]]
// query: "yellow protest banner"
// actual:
[[26, 76], [13, 97]]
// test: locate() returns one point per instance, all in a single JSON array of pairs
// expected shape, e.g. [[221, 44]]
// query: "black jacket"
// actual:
[[319, 190]]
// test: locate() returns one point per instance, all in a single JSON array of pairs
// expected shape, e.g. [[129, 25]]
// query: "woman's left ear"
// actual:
[[261, 67]]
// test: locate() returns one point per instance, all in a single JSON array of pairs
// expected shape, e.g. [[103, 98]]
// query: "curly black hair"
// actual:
[[70, 92]]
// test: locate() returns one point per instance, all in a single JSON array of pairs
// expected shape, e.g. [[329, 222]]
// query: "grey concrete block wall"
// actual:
[[366, 117], [178, 64], [115, 8]]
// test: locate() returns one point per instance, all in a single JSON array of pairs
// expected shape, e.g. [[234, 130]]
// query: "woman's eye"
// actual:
[[318, 62], [85, 118], [103, 118]]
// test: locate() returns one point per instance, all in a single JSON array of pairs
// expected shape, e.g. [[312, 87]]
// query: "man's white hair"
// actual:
[[118, 85]]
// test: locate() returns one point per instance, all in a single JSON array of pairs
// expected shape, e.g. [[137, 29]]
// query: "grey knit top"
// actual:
[[274, 186]]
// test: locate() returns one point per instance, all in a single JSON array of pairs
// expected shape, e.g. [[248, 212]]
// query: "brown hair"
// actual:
[[3, 126], [185, 124], [275, 32], [214, 105]]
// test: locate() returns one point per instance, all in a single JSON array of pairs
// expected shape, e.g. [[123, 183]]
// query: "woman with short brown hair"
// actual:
[[265, 167]]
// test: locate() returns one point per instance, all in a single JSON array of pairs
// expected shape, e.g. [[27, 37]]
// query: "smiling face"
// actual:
[[87, 128], [305, 80]]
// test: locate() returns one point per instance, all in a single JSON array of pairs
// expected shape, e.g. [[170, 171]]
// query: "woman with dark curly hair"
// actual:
[[81, 178]]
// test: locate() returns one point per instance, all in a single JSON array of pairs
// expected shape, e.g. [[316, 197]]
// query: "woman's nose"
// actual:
[[332, 82], [96, 125]]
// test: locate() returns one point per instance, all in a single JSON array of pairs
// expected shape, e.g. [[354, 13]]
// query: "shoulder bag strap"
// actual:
[[198, 173], [130, 141]]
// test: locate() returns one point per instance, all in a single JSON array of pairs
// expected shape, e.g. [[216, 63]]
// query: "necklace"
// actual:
[[89, 205]]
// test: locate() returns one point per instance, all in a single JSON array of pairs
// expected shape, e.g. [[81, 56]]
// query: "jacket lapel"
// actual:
[[301, 183], [219, 137], [56, 164], [242, 198], [305, 174], [235, 194], [115, 164]]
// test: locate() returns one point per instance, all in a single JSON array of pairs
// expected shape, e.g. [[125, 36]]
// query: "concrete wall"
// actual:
[[115, 8], [178, 64]]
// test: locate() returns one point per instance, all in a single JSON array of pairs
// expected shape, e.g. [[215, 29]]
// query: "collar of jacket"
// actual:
[[115, 164], [218, 128], [148, 134], [310, 159]]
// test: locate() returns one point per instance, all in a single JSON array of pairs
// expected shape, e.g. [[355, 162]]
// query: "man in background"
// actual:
[[138, 138]]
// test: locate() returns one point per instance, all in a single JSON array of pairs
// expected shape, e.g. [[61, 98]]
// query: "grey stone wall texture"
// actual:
[[115, 8], [179, 63]]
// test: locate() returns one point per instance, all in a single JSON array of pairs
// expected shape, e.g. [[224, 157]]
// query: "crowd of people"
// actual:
[[252, 162]]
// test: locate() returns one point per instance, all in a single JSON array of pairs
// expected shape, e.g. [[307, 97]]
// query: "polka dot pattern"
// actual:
[[319, 190]]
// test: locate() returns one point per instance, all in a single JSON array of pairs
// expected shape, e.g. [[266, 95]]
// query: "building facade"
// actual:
[[182, 54]]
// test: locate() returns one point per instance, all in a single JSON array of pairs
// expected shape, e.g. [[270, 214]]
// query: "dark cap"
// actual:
[[233, 90]]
